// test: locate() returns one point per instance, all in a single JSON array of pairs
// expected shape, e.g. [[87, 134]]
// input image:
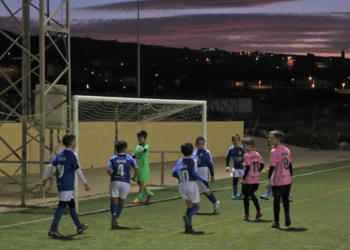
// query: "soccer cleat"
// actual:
[[189, 230], [275, 225], [149, 197], [264, 197], [259, 214], [115, 224], [81, 230], [246, 218], [55, 234], [288, 221], [136, 201], [216, 207], [234, 197], [289, 197], [240, 195]]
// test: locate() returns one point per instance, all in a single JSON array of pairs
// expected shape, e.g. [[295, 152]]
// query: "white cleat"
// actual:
[[216, 207]]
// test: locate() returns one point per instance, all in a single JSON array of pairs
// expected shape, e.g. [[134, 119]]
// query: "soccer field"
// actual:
[[319, 213]]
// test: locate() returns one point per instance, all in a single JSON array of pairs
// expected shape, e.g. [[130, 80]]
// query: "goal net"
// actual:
[[100, 121]]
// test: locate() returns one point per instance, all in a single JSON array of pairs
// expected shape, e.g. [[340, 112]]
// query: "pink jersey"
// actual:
[[280, 159], [253, 159]]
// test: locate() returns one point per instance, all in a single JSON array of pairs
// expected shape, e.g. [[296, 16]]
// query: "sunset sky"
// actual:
[[321, 27]]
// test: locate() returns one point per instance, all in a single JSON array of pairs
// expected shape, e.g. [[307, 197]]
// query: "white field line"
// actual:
[[173, 198]]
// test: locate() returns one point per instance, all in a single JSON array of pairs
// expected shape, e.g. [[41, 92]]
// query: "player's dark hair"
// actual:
[[67, 139], [187, 149], [234, 136], [248, 141], [200, 138], [120, 146], [142, 133], [277, 133]]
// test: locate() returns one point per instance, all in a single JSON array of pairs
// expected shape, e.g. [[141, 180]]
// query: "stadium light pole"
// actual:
[[138, 51]]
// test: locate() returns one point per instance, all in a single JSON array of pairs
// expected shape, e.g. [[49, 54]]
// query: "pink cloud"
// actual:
[[276, 33], [181, 4]]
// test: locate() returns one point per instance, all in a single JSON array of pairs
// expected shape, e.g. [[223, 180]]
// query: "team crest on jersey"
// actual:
[[200, 154], [239, 152]]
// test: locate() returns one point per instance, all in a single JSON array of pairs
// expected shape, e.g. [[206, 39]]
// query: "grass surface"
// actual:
[[319, 214]]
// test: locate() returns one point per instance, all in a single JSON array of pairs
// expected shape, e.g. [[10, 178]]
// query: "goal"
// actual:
[[100, 121]]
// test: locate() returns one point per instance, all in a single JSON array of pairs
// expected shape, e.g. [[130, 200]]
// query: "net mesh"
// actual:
[[100, 124]]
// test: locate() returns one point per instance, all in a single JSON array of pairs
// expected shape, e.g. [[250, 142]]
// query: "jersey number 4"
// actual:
[[120, 170]]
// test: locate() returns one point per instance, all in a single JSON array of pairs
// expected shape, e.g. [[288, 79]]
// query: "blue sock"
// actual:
[[56, 219], [110, 208], [74, 215], [188, 210], [212, 198], [268, 192], [114, 208], [119, 209], [235, 187], [193, 211]]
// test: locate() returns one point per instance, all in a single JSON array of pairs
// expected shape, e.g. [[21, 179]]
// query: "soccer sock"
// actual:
[[246, 204], [119, 209], [114, 208], [285, 201], [192, 212], [139, 196], [188, 211], [276, 208], [74, 215], [56, 219], [235, 187], [212, 198], [268, 192], [255, 201], [148, 192]]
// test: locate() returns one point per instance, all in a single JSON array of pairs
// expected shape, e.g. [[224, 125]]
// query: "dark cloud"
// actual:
[[181, 4], [279, 33]]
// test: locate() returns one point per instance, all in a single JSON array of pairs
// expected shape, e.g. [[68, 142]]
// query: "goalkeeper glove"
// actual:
[[206, 184], [140, 149]]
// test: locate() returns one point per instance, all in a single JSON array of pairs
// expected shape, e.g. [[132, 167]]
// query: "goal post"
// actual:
[[98, 121]]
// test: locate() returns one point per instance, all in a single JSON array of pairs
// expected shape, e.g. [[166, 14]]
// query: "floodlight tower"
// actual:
[[35, 109]]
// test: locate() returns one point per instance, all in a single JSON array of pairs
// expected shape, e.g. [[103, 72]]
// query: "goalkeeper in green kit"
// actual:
[[141, 157]]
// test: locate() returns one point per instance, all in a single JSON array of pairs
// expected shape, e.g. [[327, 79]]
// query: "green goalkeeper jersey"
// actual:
[[142, 158]]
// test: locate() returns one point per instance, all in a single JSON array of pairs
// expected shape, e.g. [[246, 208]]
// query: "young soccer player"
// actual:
[[266, 196], [280, 177], [205, 163], [66, 163], [141, 156], [236, 153], [253, 164], [119, 169], [186, 172]]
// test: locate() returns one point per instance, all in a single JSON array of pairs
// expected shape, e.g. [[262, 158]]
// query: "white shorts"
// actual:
[[201, 187], [237, 173], [65, 195], [203, 172], [189, 191], [119, 189]]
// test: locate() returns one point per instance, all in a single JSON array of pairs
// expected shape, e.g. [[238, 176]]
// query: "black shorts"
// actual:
[[250, 188], [281, 190]]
